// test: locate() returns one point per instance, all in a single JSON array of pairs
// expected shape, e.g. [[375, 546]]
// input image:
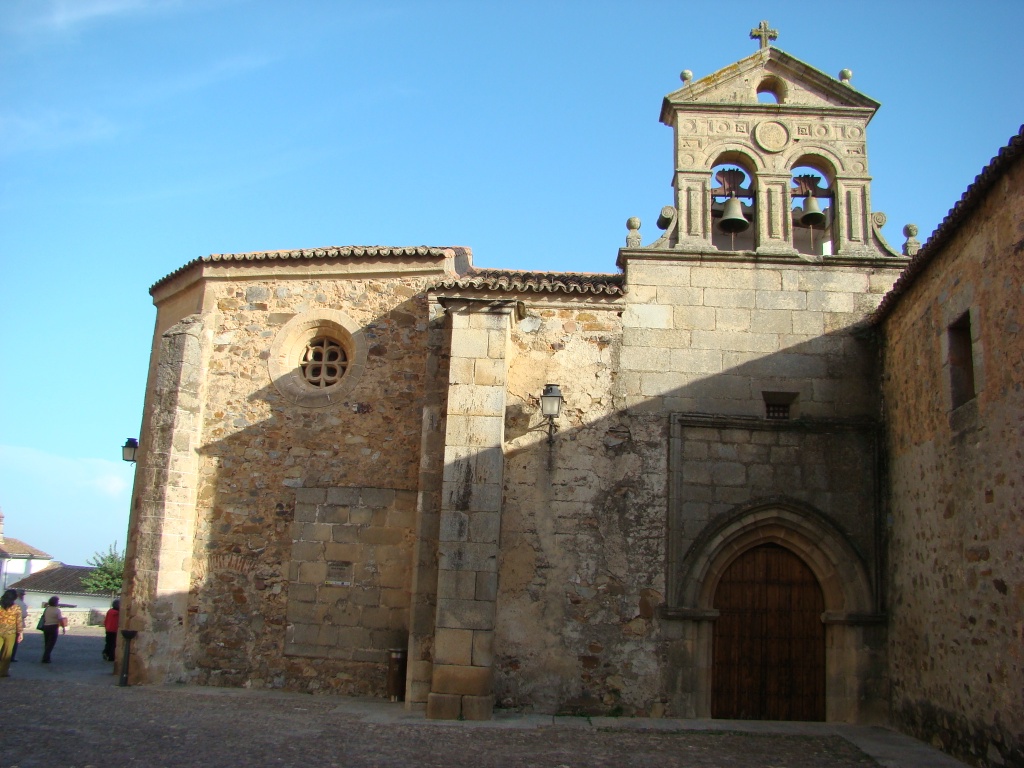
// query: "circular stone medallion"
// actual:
[[771, 136]]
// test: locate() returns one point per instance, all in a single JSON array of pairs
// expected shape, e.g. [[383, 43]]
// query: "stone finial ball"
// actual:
[[633, 223], [686, 76], [910, 230], [846, 75]]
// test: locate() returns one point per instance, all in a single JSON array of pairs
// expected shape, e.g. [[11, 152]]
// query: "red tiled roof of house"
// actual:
[[957, 215], [57, 579], [12, 547]]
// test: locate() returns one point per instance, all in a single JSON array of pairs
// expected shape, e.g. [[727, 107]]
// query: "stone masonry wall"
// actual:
[[711, 336], [720, 464], [281, 485], [161, 535], [350, 573], [583, 526], [716, 339], [957, 493]]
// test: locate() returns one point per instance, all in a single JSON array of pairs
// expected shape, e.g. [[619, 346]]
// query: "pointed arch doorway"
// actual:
[[768, 644]]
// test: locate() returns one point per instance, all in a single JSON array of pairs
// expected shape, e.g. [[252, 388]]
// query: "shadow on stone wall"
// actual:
[[588, 545]]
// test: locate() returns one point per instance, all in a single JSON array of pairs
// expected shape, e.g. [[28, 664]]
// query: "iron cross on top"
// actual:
[[765, 34]]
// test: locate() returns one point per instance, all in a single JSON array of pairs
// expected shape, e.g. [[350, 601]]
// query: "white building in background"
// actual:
[[18, 559]]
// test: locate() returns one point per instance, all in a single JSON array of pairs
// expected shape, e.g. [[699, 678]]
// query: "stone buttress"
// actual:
[[470, 517]]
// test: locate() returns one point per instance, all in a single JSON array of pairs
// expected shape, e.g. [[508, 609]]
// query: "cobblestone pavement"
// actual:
[[71, 713]]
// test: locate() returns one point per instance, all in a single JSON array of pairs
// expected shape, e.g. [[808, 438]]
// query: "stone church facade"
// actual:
[[343, 453]]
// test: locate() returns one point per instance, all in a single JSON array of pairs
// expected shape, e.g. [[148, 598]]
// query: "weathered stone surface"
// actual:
[[462, 680], [443, 706], [477, 707], [956, 533]]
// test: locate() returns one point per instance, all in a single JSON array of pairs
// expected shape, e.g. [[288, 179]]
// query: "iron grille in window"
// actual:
[[324, 362], [777, 410]]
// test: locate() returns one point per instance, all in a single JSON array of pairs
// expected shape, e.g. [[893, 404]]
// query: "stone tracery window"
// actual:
[[324, 362], [317, 358]]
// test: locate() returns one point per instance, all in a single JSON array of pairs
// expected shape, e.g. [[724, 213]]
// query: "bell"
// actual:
[[733, 220], [812, 215]]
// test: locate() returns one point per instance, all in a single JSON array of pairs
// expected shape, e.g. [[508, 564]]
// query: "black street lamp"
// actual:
[[129, 449], [551, 407]]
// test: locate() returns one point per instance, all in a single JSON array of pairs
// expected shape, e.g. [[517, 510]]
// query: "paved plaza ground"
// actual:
[[72, 714]]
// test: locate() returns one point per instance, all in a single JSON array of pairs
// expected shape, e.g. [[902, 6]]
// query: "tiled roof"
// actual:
[[330, 252], [11, 547], [957, 215], [58, 579], [536, 282]]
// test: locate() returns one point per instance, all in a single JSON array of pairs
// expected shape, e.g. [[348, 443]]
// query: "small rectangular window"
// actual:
[[780, 406], [961, 361]]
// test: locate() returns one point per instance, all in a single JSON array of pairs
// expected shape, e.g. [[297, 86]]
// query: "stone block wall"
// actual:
[[713, 336], [719, 464], [162, 524], [957, 495], [350, 573], [461, 684]]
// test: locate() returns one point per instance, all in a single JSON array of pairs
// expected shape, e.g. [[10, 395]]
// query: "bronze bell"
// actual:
[[733, 220], [812, 215]]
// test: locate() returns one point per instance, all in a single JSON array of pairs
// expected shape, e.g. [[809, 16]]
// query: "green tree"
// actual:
[[109, 571]]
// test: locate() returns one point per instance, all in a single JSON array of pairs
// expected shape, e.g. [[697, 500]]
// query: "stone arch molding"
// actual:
[[727, 152], [816, 153], [283, 360], [799, 528]]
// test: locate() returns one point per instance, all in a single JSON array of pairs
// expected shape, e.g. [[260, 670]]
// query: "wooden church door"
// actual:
[[769, 641]]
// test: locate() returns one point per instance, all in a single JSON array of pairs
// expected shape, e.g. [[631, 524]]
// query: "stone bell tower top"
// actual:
[[770, 159]]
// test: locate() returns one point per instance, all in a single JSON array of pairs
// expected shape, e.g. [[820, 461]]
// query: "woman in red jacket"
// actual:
[[110, 625]]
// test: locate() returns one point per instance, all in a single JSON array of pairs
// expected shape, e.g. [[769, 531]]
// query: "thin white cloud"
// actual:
[[68, 13], [34, 17], [94, 477], [51, 130], [197, 79]]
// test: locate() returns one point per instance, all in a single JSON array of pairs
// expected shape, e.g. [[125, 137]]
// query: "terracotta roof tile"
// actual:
[[12, 547], [536, 282], [57, 579], [957, 215], [330, 252]]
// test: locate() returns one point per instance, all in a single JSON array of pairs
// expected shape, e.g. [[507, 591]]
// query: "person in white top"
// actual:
[[53, 621]]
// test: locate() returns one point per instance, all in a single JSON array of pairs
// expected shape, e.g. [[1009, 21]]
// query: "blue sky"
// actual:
[[136, 135]]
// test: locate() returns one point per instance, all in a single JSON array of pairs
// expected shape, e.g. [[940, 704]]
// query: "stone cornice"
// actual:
[[450, 260], [750, 257]]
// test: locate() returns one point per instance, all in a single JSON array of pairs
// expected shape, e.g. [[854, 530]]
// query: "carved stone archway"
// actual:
[[839, 569]]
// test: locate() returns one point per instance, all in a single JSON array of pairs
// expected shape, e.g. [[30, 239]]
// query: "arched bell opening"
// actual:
[[812, 207], [733, 212], [771, 90]]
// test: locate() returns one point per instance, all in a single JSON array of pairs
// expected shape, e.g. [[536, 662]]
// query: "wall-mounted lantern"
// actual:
[[129, 449], [551, 407]]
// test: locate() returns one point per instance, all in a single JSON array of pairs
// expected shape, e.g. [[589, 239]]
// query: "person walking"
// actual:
[[12, 629], [20, 602], [110, 622], [53, 622]]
